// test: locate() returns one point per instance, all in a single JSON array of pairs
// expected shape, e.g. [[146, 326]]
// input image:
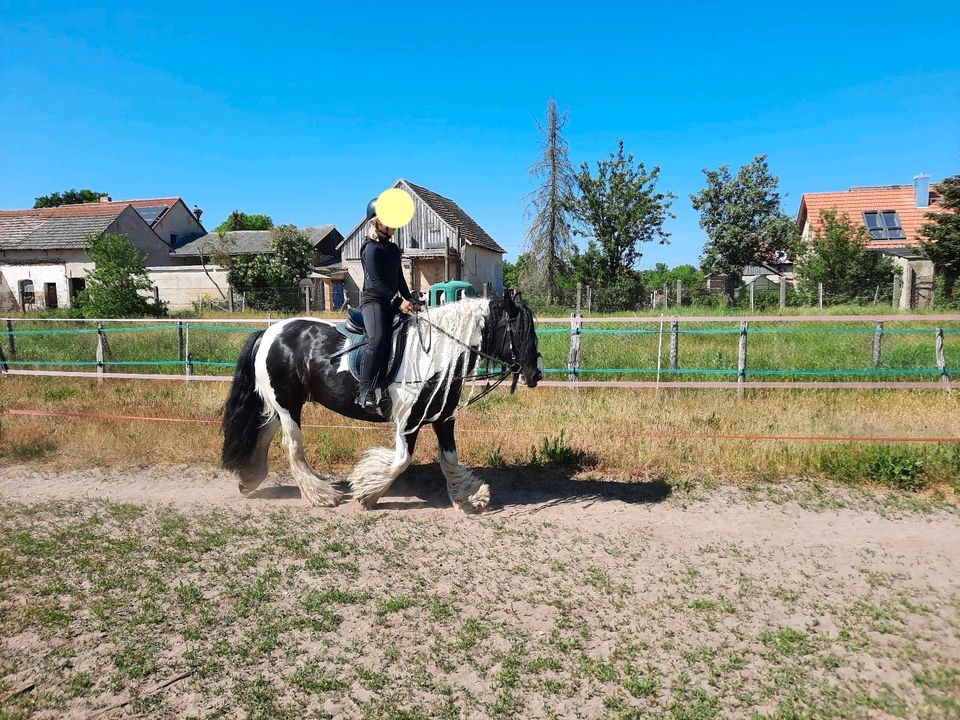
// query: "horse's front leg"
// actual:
[[466, 490], [313, 488], [380, 466]]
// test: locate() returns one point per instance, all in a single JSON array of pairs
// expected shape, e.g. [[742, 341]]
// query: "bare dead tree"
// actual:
[[549, 244]]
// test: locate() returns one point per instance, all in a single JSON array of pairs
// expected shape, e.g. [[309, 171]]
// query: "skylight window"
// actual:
[[884, 225]]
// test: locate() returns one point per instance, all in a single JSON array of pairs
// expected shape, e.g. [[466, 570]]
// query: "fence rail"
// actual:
[[103, 363]]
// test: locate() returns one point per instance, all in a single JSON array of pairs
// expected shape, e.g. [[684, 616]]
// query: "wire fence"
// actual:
[[759, 351]]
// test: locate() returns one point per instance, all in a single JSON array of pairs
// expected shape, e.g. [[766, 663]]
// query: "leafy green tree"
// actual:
[[114, 285], [838, 257], [68, 197], [549, 243], [512, 272], [940, 238], [241, 221], [271, 280], [619, 210], [743, 220]]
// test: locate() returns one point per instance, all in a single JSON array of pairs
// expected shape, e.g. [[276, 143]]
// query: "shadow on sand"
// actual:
[[535, 486]]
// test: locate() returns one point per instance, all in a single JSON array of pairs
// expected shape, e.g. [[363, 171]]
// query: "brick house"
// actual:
[[893, 215]]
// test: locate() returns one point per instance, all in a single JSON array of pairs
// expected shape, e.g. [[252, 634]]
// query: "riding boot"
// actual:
[[365, 398]]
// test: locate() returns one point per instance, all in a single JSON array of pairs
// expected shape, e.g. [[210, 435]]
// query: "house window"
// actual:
[[884, 225], [26, 293]]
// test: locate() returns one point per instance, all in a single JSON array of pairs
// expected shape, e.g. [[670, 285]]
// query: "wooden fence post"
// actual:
[[674, 343], [486, 289], [751, 296], [783, 292], [573, 361], [877, 343], [742, 358], [820, 287], [666, 295], [589, 298], [579, 296], [679, 293], [100, 353], [941, 361], [306, 300], [10, 341], [181, 354], [186, 349], [895, 300], [230, 299]]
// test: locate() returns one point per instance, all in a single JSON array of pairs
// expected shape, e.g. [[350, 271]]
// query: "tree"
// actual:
[[68, 197], [549, 244], [690, 278], [743, 220], [241, 221], [113, 286], [838, 257], [271, 280], [619, 209], [512, 272], [940, 238]]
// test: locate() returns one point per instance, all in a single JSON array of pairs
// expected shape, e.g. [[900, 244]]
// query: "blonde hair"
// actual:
[[372, 230]]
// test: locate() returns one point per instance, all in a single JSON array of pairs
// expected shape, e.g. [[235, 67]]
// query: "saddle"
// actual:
[[352, 329]]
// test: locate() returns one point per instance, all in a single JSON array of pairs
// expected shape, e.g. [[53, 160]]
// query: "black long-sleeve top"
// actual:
[[382, 273]]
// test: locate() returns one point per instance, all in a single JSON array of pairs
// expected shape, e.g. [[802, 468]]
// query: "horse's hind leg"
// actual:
[[254, 473], [313, 488], [466, 490], [379, 467]]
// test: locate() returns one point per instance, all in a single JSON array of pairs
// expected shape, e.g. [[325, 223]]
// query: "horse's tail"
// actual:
[[243, 413]]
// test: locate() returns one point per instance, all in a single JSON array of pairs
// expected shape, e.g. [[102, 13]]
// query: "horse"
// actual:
[[303, 360]]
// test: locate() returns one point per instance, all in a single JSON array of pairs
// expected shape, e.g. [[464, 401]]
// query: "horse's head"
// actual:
[[512, 338]]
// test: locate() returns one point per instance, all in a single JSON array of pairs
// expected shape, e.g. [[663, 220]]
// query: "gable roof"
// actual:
[[455, 216], [248, 242], [855, 201], [54, 228]]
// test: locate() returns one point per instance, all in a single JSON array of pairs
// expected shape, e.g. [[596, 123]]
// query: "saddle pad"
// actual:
[[398, 343]]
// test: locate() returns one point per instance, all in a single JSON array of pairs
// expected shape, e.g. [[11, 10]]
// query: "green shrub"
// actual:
[[899, 468], [555, 451]]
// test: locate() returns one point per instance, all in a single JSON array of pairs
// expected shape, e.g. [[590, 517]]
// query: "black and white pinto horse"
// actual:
[[289, 364]]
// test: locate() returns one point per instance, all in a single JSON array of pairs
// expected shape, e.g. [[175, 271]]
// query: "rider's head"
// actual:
[[377, 228]]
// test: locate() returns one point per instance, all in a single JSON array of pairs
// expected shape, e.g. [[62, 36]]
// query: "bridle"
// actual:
[[513, 367]]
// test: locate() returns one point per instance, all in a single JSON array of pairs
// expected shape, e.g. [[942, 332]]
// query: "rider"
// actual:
[[385, 292]]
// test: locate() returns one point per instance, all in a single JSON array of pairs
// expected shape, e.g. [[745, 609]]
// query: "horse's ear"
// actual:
[[517, 299], [508, 298]]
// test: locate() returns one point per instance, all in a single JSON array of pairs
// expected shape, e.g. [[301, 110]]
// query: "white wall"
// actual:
[[40, 275], [482, 265], [181, 287]]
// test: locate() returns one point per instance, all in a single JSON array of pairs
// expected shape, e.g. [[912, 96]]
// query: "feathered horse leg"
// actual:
[[379, 467], [467, 492], [315, 489]]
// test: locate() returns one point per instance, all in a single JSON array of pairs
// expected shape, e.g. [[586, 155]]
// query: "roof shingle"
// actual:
[[455, 216]]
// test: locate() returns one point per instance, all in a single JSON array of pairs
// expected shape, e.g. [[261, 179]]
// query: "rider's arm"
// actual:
[[403, 290]]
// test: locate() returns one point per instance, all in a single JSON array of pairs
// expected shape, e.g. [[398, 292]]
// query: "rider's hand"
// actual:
[[406, 306]]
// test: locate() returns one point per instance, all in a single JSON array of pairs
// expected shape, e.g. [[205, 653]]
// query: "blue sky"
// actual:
[[306, 112]]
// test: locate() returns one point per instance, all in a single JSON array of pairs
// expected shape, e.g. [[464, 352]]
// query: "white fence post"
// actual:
[[100, 353], [573, 360], [742, 358], [674, 341], [187, 356]]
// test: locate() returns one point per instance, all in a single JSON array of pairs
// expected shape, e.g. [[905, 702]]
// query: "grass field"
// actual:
[[707, 351]]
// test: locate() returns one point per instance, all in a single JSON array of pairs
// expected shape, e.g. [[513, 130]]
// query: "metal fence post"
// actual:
[[941, 361], [230, 299], [573, 361], [877, 343], [742, 358], [189, 369], [10, 341], [306, 300], [674, 341], [666, 295], [751, 296], [181, 355], [589, 298]]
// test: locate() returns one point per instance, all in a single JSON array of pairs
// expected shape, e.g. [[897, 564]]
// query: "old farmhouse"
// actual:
[[441, 243]]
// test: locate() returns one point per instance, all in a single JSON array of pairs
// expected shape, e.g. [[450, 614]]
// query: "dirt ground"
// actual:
[[571, 599]]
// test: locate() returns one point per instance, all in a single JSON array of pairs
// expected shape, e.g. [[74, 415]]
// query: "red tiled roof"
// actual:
[[855, 201], [97, 209]]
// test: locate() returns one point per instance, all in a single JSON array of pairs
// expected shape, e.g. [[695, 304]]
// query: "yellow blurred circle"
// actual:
[[395, 207]]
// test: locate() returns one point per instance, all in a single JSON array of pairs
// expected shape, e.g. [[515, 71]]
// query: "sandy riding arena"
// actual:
[[158, 592]]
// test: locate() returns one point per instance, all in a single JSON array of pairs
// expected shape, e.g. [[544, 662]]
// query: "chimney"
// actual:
[[106, 198], [921, 190], [198, 212]]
